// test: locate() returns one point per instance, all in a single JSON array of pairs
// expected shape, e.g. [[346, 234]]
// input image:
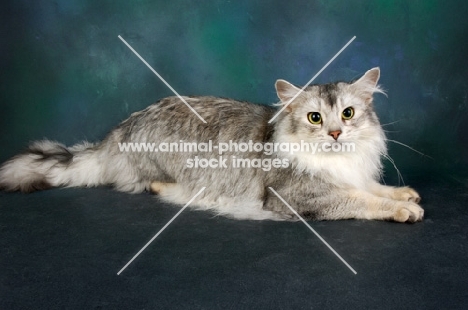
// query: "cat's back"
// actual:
[[225, 118], [211, 108], [222, 115]]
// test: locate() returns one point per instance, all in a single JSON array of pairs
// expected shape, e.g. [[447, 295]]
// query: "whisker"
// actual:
[[397, 170], [390, 123], [414, 150], [373, 126]]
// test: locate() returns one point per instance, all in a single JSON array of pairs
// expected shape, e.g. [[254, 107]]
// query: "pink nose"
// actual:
[[335, 134]]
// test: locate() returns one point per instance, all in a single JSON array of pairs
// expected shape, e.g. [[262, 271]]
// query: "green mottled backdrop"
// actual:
[[65, 74]]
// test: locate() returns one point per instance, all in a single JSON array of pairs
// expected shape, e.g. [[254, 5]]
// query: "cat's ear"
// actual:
[[366, 86], [286, 91]]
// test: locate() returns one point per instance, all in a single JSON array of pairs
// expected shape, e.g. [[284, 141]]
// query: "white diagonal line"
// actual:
[[311, 80], [162, 79], [159, 232], [321, 239]]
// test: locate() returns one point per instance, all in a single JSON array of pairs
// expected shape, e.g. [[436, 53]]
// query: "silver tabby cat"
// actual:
[[319, 185]]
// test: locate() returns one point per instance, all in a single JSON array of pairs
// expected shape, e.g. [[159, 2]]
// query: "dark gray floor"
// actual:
[[62, 249]]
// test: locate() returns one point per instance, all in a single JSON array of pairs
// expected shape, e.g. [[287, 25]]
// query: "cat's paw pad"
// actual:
[[406, 194], [409, 212]]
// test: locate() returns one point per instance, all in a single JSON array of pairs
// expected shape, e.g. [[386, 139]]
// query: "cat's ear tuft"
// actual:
[[286, 91], [366, 86]]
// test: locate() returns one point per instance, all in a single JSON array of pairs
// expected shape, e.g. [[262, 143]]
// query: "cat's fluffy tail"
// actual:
[[46, 164]]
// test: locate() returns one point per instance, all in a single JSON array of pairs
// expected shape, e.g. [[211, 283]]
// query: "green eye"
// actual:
[[347, 113], [314, 118]]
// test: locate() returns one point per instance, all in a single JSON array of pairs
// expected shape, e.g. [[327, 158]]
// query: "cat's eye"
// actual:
[[314, 118], [347, 113]]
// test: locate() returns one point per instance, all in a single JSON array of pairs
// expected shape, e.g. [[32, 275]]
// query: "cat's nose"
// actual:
[[335, 134]]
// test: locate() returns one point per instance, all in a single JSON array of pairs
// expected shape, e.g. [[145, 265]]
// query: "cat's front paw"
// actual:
[[408, 212], [406, 194]]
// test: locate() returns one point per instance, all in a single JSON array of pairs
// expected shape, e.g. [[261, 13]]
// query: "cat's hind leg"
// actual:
[[158, 188], [243, 208], [172, 192]]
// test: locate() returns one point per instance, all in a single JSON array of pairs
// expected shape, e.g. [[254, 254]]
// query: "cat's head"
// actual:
[[331, 113], [334, 114]]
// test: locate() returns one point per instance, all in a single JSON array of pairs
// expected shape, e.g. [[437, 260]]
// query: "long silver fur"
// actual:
[[320, 186]]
